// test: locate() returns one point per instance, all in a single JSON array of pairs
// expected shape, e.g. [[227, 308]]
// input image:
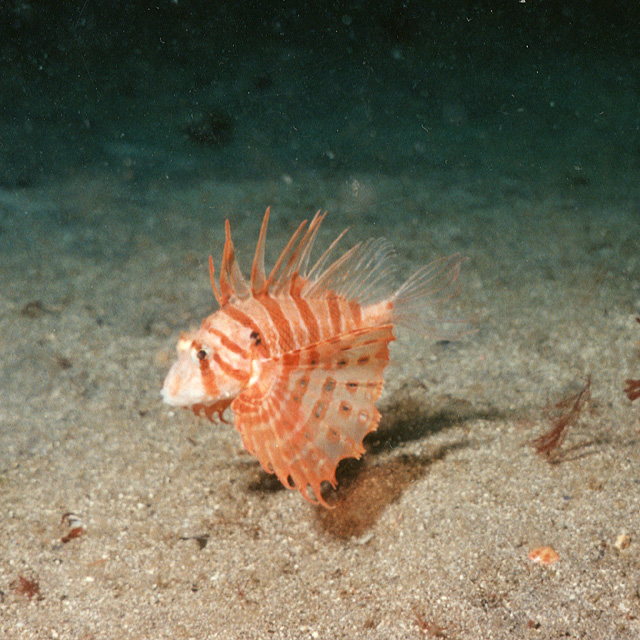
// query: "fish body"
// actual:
[[299, 355]]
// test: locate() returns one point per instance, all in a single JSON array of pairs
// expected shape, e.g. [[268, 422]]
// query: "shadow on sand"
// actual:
[[367, 486]]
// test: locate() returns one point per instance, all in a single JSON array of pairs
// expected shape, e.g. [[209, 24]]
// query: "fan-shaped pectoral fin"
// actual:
[[313, 407]]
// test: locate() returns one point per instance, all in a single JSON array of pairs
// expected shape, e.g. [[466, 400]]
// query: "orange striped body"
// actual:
[[299, 355], [286, 323]]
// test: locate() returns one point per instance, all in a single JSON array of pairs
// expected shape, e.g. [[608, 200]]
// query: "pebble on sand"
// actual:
[[544, 555]]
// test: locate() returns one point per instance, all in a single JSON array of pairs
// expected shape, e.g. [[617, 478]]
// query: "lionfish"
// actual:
[[299, 355]]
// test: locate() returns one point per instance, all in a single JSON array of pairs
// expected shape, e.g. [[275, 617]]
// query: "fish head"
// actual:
[[207, 376]]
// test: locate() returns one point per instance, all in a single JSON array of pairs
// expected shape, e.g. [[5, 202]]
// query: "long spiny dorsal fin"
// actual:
[[299, 257], [232, 282], [364, 273], [258, 276]]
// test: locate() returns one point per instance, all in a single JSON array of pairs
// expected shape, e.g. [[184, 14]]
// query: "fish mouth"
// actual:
[[168, 398], [181, 387], [213, 411], [188, 393]]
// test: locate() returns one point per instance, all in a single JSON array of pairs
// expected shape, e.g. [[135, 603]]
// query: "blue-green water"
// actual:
[[543, 93]]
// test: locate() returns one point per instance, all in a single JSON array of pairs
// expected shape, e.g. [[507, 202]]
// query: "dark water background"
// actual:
[[534, 93]]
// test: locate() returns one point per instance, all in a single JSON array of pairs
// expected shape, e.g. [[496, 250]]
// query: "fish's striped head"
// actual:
[[209, 373]]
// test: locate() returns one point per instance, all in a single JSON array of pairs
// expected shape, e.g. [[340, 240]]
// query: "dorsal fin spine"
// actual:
[[258, 277], [317, 267], [232, 282], [214, 286], [273, 276], [299, 257], [227, 255]]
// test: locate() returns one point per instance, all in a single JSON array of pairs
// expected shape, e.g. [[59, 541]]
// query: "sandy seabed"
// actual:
[[184, 536]]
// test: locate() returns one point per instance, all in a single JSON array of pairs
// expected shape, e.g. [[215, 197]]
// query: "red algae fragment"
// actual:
[[632, 389], [633, 386], [571, 408], [25, 587]]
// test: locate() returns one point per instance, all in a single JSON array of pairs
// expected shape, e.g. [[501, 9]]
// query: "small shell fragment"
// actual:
[[76, 528], [544, 555], [622, 541]]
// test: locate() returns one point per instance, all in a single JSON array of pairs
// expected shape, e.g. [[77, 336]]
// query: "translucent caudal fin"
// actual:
[[422, 303]]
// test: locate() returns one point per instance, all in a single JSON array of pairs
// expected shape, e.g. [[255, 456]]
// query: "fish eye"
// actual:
[[199, 354]]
